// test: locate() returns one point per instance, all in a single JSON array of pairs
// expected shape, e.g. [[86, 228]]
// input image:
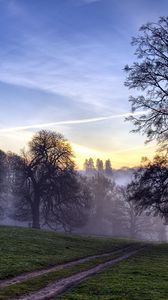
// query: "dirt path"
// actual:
[[59, 287], [34, 274]]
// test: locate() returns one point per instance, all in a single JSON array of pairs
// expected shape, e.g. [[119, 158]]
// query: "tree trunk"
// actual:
[[36, 213]]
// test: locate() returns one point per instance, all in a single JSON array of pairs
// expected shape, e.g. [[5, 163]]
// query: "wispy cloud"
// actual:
[[71, 70], [70, 122]]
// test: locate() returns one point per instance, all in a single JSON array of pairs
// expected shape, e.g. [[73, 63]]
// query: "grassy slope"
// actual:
[[24, 250], [143, 277], [38, 283]]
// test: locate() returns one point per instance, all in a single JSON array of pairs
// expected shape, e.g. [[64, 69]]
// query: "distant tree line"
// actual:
[[91, 167]]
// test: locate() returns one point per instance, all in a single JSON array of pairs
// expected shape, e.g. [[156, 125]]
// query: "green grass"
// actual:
[[32, 285], [23, 250], [143, 277]]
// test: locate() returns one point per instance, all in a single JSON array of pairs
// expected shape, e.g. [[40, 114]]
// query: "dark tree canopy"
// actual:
[[149, 75], [100, 186], [89, 165], [99, 165], [108, 168], [20, 188], [149, 189], [46, 184], [69, 203]]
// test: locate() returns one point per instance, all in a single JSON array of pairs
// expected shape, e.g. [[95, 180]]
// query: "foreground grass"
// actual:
[[40, 282], [23, 250], [143, 277]]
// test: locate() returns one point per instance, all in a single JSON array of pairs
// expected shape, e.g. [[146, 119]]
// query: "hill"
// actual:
[[24, 249], [38, 264]]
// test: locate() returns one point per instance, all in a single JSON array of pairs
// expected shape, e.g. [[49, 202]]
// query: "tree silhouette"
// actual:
[[149, 188], [100, 186], [68, 205], [150, 76], [108, 168], [99, 165], [89, 166], [44, 173]]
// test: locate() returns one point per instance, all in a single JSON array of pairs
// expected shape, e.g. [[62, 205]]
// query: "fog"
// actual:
[[108, 213]]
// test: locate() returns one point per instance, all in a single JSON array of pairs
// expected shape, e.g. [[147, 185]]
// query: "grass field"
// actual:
[[23, 250], [143, 277], [42, 281]]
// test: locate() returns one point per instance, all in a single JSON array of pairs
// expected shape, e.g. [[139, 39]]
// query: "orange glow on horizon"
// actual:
[[122, 158], [129, 157]]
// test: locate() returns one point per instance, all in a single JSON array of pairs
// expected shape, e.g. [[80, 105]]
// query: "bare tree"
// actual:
[[100, 186], [69, 204], [48, 190], [49, 155], [149, 188], [19, 188], [108, 168], [89, 166], [115, 211], [99, 165], [150, 76]]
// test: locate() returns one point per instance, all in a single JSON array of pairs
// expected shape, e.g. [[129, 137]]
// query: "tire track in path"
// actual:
[[27, 276], [61, 286]]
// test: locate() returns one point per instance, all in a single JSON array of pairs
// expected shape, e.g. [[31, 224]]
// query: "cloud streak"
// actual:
[[70, 122], [56, 68]]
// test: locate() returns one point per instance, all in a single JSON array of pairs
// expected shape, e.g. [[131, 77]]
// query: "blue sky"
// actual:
[[63, 60]]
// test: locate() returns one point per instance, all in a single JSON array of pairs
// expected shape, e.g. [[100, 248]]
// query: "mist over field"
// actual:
[[104, 208]]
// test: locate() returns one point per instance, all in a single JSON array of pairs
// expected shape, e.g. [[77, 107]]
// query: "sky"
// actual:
[[61, 68]]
